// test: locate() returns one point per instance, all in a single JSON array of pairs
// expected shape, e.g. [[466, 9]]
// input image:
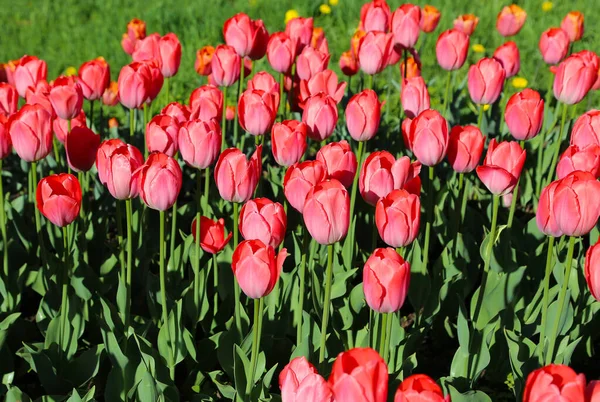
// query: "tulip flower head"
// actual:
[[58, 198]]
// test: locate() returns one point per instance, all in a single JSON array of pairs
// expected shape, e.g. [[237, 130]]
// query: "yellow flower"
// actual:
[[478, 48], [547, 6], [70, 71], [519, 82], [290, 15], [486, 107], [324, 9], [334, 2]]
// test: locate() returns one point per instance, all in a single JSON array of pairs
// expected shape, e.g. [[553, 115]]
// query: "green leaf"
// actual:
[[242, 369]]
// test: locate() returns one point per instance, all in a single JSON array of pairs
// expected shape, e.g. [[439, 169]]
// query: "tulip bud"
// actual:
[[177, 111], [30, 131], [575, 205], [451, 49], [326, 212], [257, 111], [204, 56], [225, 66], [66, 97], [300, 179], [310, 62], [199, 142], [5, 142], [502, 166], [299, 381], [246, 36], [161, 135], [572, 24], [58, 198], [509, 58], [264, 220], [94, 78], [398, 217], [134, 84], [544, 214], [420, 387], [359, 370], [592, 271], [363, 114], [212, 235], [340, 161], [110, 97], [136, 30], [429, 137], [586, 130], [374, 51], [574, 78], [281, 52], [466, 23], [206, 103], [256, 267], [159, 181], [147, 49], [82, 145], [554, 45], [465, 147], [156, 80], [320, 115], [28, 73], [405, 25], [236, 176], [510, 20], [375, 16], [348, 64], [116, 163], [430, 17], [9, 99], [300, 31], [386, 277], [169, 49], [592, 391], [486, 79], [524, 114], [554, 381], [264, 81], [288, 142], [405, 128], [40, 96], [414, 96], [325, 82]]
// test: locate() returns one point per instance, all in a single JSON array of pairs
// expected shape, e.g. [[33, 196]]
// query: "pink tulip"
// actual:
[[264, 220], [236, 176], [299, 381], [509, 57], [451, 49], [405, 25], [159, 181], [206, 102], [586, 130], [9, 99], [299, 179], [466, 23], [281, 52], [363, 114], [300, 31], [246, 36], [265, 82], [575, 206], [386, 277], [288, 142], [156, 80], [524, 114], [398, 217], [256, 267], [502, 166], [326, 82], [257, 111], [134, 84], [375, 16], [179, 112], [66, 97], [161, 135], [28, 73], [554, 382], [320, 115], [225, 66], [94, 78], [30, 132], [574, 159], [574, 78], [374, 52], [359, 374], [544, 214], [116, 163], [592, 277], [147, 49], [310, 62], [510, 20], [429, 137], [414, 96], [199, 142], [339, 161], [486, 79], [326, 212], [169, 49], [554, 45], [5, 141], [58, 198], [212, 234], [572, 24], [465, 147], [420, 388]]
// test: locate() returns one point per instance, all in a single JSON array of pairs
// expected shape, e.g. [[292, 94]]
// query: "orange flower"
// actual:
[[510, 20], [113, 123], [430, 17], [203, 60], [572, 24], [413, 68], [355, 41], [466, 23], [136, 28]]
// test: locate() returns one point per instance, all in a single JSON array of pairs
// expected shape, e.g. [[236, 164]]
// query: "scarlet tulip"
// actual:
[[464, 148], [375, 16], [264, 220], [246, 36], [116, 163], [300, 32], [486, 79], [212, 234], [502, 166], [61, 126], [554, 382], [414, 96], [310, 62], [586, 130], [326, 212], [199, 142], [299, 179], [510, 20], [134, 84], [28, 73], [340, 161], [405, 25], [572, 24], [451, 49], [398, 217], [58, 198], [9, 99], [206, 102], [430, 17], [94, 78], [136, 30], [320, 115], [110, 97], [159, 181], [204, 56], [30, 132], [179, 112], [82, 145], [326, 82], [509, 57], [359, 374], [281, 52], [524, 114], [575, 205], [420, 387], [5, 142], [236, 176], [363, 114], [373, 53], [299, 381], [265, 82], [169, 49], [544, 214], [574, 78], [66, 97], [466, 23], [257, 111], [386, 277], [554, 45], [592, 272], [256, 267], [288, 141], [348, 64], [429, 137], [161, 135], [156, 80], [225, 66]]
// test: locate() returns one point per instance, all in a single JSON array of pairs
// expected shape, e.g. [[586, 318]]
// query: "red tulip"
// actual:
[[299, 381], [430, 17], [466, 23], [398, 217], [161, 135], [375, 16], [116, 163], [265, 82], [256, 267], [509, 57], [9, 99], [179, 112], [592, 275], [575, 205], [66, 97], [30, 132], [206, 103], [58, 198], [381, 173], [94, 78], [5, 141], [348, 64], [572, 24], [159, 181], [310, 62], [264, 220], [28, 73], [326, 82], [586, 130], [225, 66], [574, 78], [136, 30], [81, 146], [486, 79], [451, 49], [169, 49], [544, 214], [300, 32], [212, 234], [299, 179], [326, 212], [429, 137], [110, 97], [592, 391], [339, 161], [554, 45], [281, 52], [510, 20], [288, 142], [199, 142], [320, 115], [204, 56], [257, 111], [524, 114], [405, 128], [359, 374], [502, 166], [156, 80], [465, 147], [386, 277], [61, 126], [9, 70], [414, 96], [236, 176], [554, 382], [405, 25], [363, 114], [134, 84], [420, 388], [373, 53], [246, 36]]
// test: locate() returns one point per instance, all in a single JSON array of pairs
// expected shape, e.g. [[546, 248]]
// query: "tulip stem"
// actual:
[[66, 139], [388, 332], [447, 94], [326, 303], [240, 90], [163, 294], [224, 121], [196, 266], [145, 113], [56, 152], [301, 275], [383, 335], [3, 227], [167, 81], [238, 318], [129, 212], [513, 204], [173, 230], [65, 283], [430, 205], [256, 335], [539, 166], [132, 123], [459, 215], [552, 173], [405, 64], [369, 81], [38, 221], [480, 119], [359, 153], [120, 240], [547, 274], [92, 114], [281, 101], [561, 301]]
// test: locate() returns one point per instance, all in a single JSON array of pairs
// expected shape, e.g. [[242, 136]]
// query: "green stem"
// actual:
[[120, 240], [129, 211], [55, 143], [237, 291], [3, 226], [405, 63], [173, 230], [240, 90], [66, 139], [549, 256], [197, 265], [281, 101], [559, 140], [38, 220], [447, 94], [359, 155], [458, 214], [65, 284], [145, 122], [561, 301], [326, 303], [132, 123], [513, 204], [163, 294], [167, 82], [370, 81], [539, 165], [91, 114], [256, 335], [383, 335], [429, 222], [480, 119], [224, 121], [301, 275]]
